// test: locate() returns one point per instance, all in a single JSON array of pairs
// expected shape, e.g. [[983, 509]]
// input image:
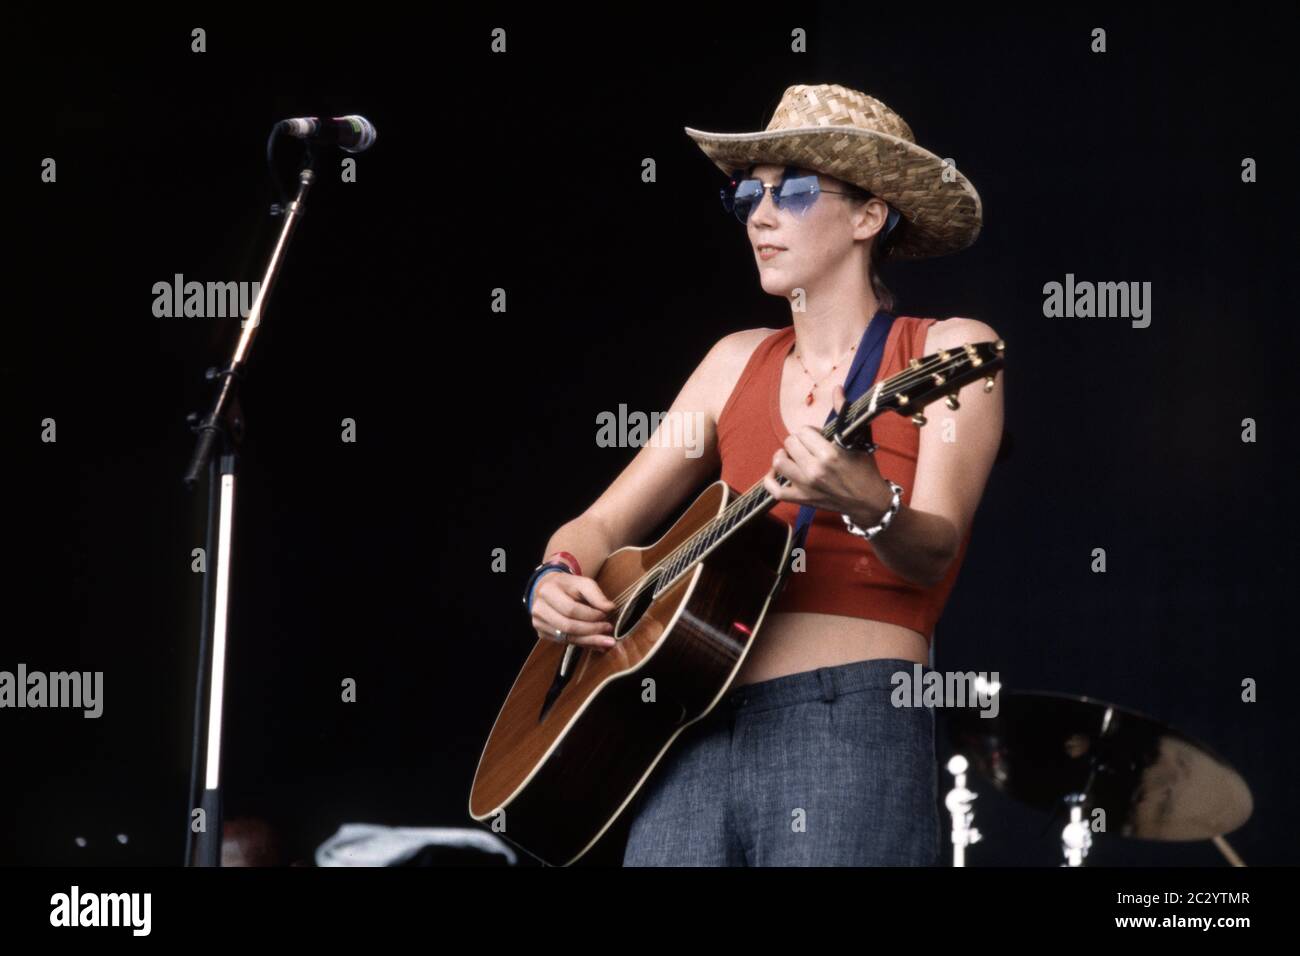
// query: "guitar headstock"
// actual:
[[928, 379]]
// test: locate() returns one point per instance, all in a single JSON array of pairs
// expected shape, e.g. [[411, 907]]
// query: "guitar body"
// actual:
[[581, 730]]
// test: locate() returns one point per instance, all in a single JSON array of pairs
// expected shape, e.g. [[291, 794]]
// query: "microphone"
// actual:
[[352, 133]]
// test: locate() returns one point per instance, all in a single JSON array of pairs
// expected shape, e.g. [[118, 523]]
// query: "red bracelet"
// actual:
[[570, 560]]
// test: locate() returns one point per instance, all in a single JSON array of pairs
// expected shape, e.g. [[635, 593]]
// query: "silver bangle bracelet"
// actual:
[[894, 504]]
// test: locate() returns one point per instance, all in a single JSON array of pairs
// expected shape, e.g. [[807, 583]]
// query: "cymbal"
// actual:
[[1153, 782]]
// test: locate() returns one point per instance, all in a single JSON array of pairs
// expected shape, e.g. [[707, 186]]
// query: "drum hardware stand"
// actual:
[[1059, 752], [1229, 854], [958, 803], [1076, 838]]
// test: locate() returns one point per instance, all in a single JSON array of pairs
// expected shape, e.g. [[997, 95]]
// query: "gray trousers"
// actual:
[[817, 768]]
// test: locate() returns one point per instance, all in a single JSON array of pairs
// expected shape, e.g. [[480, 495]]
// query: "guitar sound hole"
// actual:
[[635, 608]]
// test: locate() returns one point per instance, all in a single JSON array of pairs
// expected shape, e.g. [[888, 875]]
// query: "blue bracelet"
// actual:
[[538, 573]]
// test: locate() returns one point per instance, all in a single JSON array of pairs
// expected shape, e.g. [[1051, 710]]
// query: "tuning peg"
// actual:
[[914, 363], [919, 419], [939, 379], [974, 356], [988, 384], [952, 402]]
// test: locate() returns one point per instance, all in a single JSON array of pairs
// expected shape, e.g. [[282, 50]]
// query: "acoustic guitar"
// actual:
[[581, 730]]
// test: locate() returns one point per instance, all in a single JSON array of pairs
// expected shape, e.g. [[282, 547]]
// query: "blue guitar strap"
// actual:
[[862, 375]]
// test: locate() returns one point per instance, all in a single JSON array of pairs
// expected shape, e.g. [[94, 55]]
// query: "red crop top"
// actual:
[[842, 574]]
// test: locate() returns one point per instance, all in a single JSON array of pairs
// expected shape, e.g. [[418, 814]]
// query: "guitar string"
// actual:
[[907, 377]]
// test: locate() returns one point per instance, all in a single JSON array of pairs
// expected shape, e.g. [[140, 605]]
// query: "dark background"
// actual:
[[476, 429]]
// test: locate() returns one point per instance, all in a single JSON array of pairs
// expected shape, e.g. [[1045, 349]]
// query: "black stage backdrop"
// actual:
[[475, 429]]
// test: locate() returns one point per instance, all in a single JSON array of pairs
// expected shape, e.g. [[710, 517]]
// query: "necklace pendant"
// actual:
[[809, 399]]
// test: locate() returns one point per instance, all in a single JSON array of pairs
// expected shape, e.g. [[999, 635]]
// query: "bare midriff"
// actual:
[[788, 643]]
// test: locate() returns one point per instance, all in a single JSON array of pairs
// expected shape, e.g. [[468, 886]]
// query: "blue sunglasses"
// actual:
[[794, 192]]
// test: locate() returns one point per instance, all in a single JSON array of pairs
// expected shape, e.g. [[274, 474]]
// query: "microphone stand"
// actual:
[[216, 451]]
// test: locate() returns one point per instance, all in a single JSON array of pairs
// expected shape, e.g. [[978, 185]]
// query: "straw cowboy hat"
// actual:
[[858, 139]]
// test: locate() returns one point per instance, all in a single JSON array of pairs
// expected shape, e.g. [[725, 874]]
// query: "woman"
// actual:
[[806, 761]]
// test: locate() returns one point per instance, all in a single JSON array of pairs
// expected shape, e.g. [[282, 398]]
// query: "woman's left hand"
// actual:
[[824, 475]]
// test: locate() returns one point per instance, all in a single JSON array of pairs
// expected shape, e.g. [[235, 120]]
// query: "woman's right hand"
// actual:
[[575, 605]]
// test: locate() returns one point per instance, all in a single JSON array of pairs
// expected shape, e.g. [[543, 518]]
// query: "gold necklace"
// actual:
[[808, 400]]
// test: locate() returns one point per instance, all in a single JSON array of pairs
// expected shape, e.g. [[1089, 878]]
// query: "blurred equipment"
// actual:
[[1096, 760], [958, 803], [368, 844]]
